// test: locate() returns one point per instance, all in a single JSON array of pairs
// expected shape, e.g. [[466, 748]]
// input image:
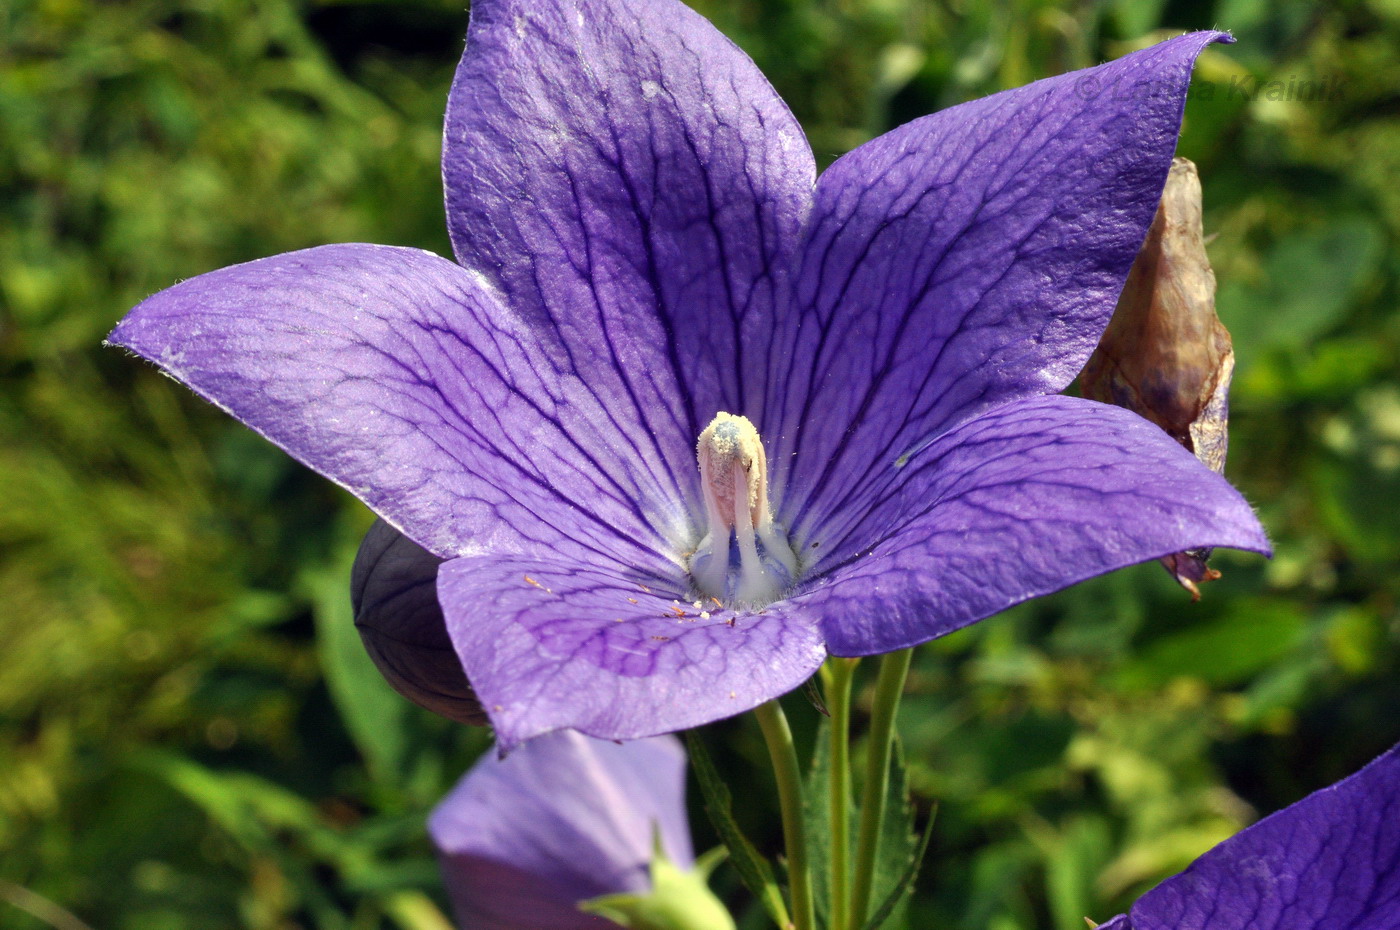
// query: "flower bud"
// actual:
[[1165, 354], [393, 587]]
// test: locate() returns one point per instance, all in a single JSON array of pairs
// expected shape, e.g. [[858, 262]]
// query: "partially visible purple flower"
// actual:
[[1329, 862], [563, 819], [645, 255]]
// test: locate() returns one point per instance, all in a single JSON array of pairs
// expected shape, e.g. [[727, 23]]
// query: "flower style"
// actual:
[[1329, 862], [525, 839], [644, 252]]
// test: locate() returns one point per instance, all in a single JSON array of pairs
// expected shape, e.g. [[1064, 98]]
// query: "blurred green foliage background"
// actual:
[[190, 733]]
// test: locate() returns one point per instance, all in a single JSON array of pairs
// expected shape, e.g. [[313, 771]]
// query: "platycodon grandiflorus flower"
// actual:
[[683, 417]]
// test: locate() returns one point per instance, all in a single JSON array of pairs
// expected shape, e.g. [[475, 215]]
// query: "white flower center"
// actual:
[[745, 558]]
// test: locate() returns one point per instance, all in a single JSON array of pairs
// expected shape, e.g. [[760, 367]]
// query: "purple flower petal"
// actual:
[[632, 196], [547, 644], [631, 181], [967, 259], [400, 376], [1329, 862], [562, 819], [393, 587], [1024, 500]]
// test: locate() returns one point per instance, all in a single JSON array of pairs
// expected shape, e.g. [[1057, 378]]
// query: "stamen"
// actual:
[[734, 480]]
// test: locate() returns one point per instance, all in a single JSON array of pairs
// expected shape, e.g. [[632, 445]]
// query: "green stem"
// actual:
[[838, 702], [788, 774], [889, 686]]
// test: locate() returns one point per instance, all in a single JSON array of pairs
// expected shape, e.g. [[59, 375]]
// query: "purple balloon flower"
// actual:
[[563, 819], [1329, 862], [646, 259]]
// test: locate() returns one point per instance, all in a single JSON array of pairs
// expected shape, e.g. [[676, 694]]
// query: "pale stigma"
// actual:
[[744, 558]]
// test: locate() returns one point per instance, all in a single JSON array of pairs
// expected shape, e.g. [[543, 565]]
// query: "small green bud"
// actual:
[[678, 900]]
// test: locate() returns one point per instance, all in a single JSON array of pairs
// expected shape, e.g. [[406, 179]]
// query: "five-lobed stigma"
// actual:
[[745, 558]]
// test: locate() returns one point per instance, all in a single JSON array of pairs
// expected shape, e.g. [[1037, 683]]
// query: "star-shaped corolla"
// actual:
[[643, 252], [1329, 862], [525, 839]]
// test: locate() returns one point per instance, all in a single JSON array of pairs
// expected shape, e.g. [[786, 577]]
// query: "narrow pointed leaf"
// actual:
[[816, 812], [905, 885], [753, 869], [899, 841]]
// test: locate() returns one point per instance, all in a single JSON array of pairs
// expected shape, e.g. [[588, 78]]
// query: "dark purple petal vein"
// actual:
[[401, 376], [635, 187], [963, 260], [548, 644], [1024, 500], [1329, 862]]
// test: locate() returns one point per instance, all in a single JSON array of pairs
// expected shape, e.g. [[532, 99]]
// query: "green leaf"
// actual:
[[1248, 637], [753, 869], [817, 815], [1137, 18], [376, 717], [1081, 852], [901, 850], [905, 885], [1308, 281], [270, 822], [414, 910]]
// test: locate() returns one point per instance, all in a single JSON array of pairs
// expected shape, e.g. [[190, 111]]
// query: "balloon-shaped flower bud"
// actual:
[[567, 821], [393, 588], [744, 558], [1165, 354], [1329, 862]]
